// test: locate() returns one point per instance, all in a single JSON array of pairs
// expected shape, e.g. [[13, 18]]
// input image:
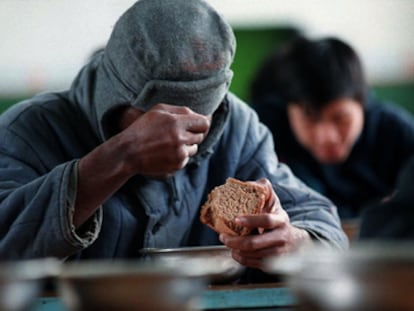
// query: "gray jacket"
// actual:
[[42, 139]]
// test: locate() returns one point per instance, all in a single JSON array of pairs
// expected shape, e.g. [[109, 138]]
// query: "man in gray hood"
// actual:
[[124, 159]]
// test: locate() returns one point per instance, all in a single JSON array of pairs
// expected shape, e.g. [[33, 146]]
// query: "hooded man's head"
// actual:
[[177, 52]]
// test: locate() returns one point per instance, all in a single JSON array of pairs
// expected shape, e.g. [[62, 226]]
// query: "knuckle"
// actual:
[[181, 153], [268, 221], [173, 126], [185, 109], [158, 106], [176, 138], [250, 244], [177, 157], [283, 239]]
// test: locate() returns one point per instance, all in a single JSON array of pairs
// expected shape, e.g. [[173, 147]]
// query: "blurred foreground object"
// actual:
[[21, 282], [131, 285], [368, 277], [220, 267]]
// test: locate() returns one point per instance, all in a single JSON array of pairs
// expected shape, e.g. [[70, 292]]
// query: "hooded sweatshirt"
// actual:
[[43, 138]]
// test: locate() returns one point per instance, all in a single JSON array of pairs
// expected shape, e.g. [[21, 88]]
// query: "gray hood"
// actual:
[[82, 91], [171, 51]]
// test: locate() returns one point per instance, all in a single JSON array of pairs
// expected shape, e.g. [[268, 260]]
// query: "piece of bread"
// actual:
[[232, 199]]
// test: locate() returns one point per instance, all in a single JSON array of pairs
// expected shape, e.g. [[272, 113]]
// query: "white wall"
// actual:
[[44, 42]]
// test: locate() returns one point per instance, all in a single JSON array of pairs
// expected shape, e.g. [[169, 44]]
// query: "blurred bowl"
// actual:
[[217, 264], [21, 282], [368, 277], [128, 285]]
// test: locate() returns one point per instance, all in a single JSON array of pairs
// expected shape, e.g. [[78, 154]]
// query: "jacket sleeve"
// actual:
[[308, 209], [36, 205]]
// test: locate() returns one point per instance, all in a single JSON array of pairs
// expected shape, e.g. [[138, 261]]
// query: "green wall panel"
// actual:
[[6, 102], [252, 46], [401, 94]]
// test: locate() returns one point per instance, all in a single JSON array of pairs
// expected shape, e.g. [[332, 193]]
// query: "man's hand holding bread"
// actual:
[[251, 222]]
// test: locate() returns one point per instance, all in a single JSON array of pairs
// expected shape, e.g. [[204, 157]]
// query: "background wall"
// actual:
[[45, 42]]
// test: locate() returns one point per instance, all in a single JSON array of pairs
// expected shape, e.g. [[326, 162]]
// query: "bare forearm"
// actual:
[[100, 173], [153, 144]]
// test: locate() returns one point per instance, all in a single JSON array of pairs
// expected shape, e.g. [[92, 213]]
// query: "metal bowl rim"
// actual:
[[186, 249]]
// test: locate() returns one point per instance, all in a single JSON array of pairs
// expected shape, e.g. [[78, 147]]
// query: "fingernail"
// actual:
[[239, 220], [221, 238]]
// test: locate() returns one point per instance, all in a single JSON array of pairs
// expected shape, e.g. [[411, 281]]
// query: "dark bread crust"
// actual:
[[232, 199]]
